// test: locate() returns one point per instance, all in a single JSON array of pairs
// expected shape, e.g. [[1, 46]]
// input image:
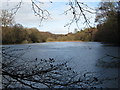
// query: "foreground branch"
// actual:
[[36, 72]]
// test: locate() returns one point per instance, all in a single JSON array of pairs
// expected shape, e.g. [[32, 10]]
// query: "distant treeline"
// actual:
[[18, 34]]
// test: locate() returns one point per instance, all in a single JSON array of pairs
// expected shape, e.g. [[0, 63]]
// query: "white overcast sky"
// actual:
[[55, 24]]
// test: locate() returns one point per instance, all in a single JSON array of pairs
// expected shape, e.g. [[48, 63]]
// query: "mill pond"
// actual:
[[92, 57]]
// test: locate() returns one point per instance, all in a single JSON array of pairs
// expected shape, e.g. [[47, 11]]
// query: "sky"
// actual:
[[55, 24]]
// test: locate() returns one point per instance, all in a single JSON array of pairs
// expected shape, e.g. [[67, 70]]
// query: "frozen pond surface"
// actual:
[[82, 57]]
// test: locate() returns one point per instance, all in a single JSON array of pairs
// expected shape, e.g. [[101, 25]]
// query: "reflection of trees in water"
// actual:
[[21, 72], [109, 61]]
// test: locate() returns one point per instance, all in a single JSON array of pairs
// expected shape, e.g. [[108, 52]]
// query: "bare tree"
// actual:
[[6, 18], [43, 14], [20, 72], [79, 10], [114, 61]]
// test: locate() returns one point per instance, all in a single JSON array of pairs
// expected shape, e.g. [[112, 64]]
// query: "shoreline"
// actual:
[[107, 44], [65, 41], [40, 42]]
